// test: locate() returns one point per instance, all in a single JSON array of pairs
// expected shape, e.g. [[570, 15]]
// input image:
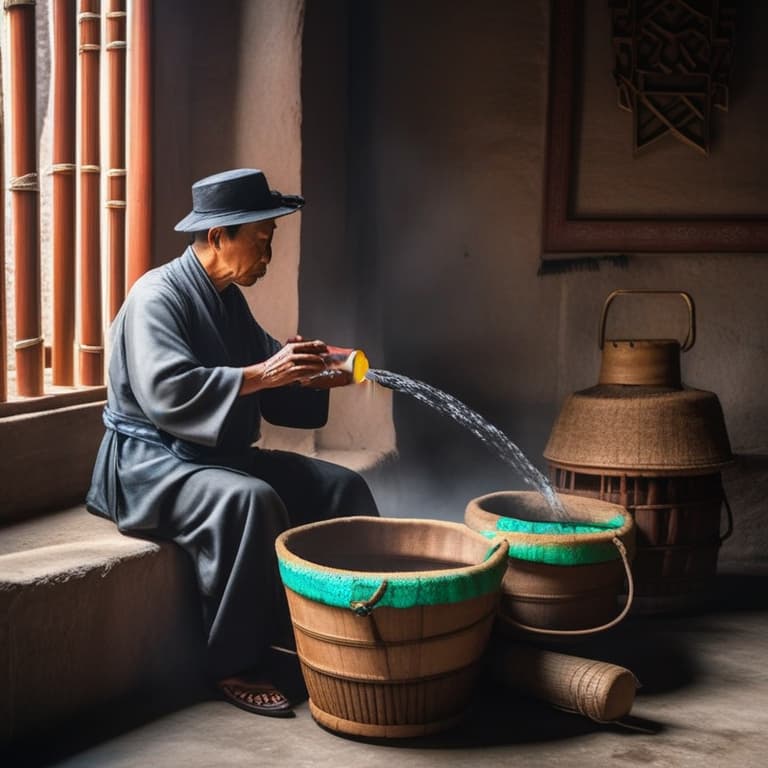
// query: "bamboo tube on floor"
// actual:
[[90, 345], [601, 691], [63, 169], [115, 204], [25, 190], [139, 187]]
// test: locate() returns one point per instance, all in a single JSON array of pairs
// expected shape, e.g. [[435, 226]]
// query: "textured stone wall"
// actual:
[[451, 117]]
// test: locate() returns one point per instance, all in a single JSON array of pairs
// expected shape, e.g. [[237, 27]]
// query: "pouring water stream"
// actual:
[[490, 435]]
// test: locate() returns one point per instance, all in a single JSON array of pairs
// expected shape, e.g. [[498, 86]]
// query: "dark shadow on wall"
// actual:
[[338, 286], [196, 48]]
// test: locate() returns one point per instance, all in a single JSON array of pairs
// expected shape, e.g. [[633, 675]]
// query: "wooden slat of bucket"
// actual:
[[394, 673]]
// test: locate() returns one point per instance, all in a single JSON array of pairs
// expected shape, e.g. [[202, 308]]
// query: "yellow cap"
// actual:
[[359, 366]]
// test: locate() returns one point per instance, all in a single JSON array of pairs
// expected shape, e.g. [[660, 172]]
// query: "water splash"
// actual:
[[491, 436]]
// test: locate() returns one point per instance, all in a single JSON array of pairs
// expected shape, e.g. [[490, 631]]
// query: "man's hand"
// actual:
[[297, 361]]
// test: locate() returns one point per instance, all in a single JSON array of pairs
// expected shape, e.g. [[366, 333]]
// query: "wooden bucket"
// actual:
[[562, 578], [678, 526], [391, 618]]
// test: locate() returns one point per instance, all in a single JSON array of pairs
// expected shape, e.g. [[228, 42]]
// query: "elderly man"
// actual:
[[191, 373]]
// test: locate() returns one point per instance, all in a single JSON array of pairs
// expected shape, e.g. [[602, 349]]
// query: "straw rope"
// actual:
[[116, 44], [91, 348], [116, 14], [88, 16], [116, 172], [62, 168], [26, 183], [115, 204], [90, 168], [27, 343], [9, 4]]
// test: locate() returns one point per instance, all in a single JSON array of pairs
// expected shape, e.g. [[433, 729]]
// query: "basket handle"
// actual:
[[689, 339], [729, 517], [575, 632]]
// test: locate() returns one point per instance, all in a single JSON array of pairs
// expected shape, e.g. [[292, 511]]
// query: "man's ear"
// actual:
[[214, 236]]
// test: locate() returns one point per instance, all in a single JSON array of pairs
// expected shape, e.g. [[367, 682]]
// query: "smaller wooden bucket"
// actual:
[[563, 577], [391, 618]]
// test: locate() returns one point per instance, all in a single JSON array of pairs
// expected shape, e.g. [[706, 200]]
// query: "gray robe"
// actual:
[[177, 461]]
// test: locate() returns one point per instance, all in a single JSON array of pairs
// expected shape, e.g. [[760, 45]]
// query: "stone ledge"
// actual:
[[86, 622], [89, 615]]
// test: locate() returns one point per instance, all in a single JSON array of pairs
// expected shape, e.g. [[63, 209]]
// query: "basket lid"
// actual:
[[663, 429]]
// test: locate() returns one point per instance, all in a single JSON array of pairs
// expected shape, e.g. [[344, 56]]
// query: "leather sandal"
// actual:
[[259, 697]]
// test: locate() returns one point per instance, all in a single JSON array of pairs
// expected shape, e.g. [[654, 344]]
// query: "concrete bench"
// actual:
[[87, 615]]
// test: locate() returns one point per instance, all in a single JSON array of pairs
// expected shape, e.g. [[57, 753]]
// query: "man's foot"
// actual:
[[257, 696]]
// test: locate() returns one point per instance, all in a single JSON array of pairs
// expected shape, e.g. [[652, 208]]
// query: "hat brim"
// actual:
[[197, 222]]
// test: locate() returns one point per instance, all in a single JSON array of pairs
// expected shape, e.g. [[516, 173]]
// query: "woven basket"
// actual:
[[391, 618], [562, 578], [654, 429], [678, 521]]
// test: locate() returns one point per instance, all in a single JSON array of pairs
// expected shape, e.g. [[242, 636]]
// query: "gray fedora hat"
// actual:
[[235, 197]]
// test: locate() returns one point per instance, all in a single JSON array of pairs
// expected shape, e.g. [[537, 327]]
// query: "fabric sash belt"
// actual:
[[143, 430]]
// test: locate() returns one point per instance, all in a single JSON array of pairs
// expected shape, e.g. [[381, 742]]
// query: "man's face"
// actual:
[[250, 251]]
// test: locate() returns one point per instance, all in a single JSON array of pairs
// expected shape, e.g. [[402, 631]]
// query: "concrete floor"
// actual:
[[704, 702]]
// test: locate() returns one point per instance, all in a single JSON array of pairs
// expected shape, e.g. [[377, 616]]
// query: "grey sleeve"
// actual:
[[177, 394]]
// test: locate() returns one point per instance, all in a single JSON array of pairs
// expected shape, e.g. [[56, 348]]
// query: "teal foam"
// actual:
[[554, 528], [343, 588], [584, 552]]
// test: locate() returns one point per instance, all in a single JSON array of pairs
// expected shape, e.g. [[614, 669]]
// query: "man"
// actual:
[[190, 375]]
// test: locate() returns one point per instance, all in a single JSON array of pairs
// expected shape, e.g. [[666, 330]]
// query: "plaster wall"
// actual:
[[453, 121], [227, 96]]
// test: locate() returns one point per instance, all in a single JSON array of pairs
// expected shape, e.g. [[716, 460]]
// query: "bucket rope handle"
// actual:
[[729, 514], [574, 632], [365, 607], [689, 339]]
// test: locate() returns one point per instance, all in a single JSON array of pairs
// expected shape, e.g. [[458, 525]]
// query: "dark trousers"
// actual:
[[227, 522]]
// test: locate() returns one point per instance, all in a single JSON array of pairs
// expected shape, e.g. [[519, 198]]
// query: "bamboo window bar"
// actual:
[[98, 47], [90, 344], [139, 210], [115, 52], [3, 323], [63, 169], [24, 188]]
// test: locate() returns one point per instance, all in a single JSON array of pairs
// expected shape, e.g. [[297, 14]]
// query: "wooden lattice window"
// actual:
[[76, 171]]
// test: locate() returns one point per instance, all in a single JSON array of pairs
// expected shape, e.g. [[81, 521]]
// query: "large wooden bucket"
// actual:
[[563, 578], [678, 524], [391, 618]]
